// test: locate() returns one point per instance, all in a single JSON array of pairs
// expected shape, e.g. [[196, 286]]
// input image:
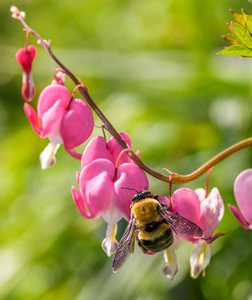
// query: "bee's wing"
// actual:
[[125, 246], [179, 224]]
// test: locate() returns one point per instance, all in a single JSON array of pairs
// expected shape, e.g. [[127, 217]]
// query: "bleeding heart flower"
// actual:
[[206, 212], [99, 148], [102, 184], [62, 119], [243, 196], [211, 213], [25, 58]]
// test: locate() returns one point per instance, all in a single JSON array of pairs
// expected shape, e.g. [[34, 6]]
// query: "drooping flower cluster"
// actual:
[[105, 182], [243, 196], [109, 178], [60, 117]]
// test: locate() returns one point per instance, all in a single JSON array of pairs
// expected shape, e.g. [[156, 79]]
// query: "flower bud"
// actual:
[[25, 58]]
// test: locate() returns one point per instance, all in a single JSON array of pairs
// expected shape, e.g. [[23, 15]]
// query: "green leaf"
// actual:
[[230, 39], [243, 16], [239, 50], [238, 17], [249, 23], [241, 34]]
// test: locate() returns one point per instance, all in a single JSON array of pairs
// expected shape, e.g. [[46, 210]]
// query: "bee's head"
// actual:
[[141, 194]]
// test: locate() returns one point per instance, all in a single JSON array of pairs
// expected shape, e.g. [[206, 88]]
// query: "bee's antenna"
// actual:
[[129, 189]]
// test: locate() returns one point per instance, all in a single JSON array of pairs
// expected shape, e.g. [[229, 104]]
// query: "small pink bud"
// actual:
[[25, 57], [28, 87], [59, 78]]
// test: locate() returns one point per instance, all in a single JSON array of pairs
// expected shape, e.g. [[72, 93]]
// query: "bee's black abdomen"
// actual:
[[156, 239]]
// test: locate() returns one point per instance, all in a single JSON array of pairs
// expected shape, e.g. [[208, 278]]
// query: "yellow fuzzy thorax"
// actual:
[[145, 211]]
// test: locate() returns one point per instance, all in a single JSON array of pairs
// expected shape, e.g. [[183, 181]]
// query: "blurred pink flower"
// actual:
[[243, 196], [25, 57], [101, 185], [61, 120]]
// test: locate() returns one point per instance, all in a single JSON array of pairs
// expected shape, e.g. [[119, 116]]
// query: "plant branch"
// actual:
[[173, 178]]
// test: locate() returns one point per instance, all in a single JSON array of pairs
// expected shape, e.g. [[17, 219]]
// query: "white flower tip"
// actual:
[[22, 14], [196, 271], [169, 271], [47, 157], [16, 13], [109, 246], [200, 259], [14, 9], [170, 268], [44, 42]]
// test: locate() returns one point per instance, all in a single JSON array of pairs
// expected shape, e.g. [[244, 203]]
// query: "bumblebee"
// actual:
[[153, 224]]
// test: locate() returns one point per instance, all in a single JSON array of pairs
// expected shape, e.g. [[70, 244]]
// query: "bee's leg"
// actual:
[[164, 206]]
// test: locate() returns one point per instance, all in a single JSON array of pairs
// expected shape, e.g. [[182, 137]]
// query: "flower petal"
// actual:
[[200, 259], [235, 211], [73, 153], [186, 203], [243, 193], [171, 267], [115, 149], [201, 194], [109, 244], [96, 148], [77, 124], [78, 177], [213, 238], [50, 122], [50, 95], [25, 57], [32, 117], [28, 87], [164, 200], [211, 212], [79, 202], [129, 175], [59, 78], [97, 189], [47, 157]]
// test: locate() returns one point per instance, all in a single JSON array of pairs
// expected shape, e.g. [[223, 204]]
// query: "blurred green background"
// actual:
[[151, 66]]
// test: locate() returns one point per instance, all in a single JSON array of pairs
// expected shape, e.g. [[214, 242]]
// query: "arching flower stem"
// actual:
[[26, 40], [118, 160], [207, 181], [176, 178]]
